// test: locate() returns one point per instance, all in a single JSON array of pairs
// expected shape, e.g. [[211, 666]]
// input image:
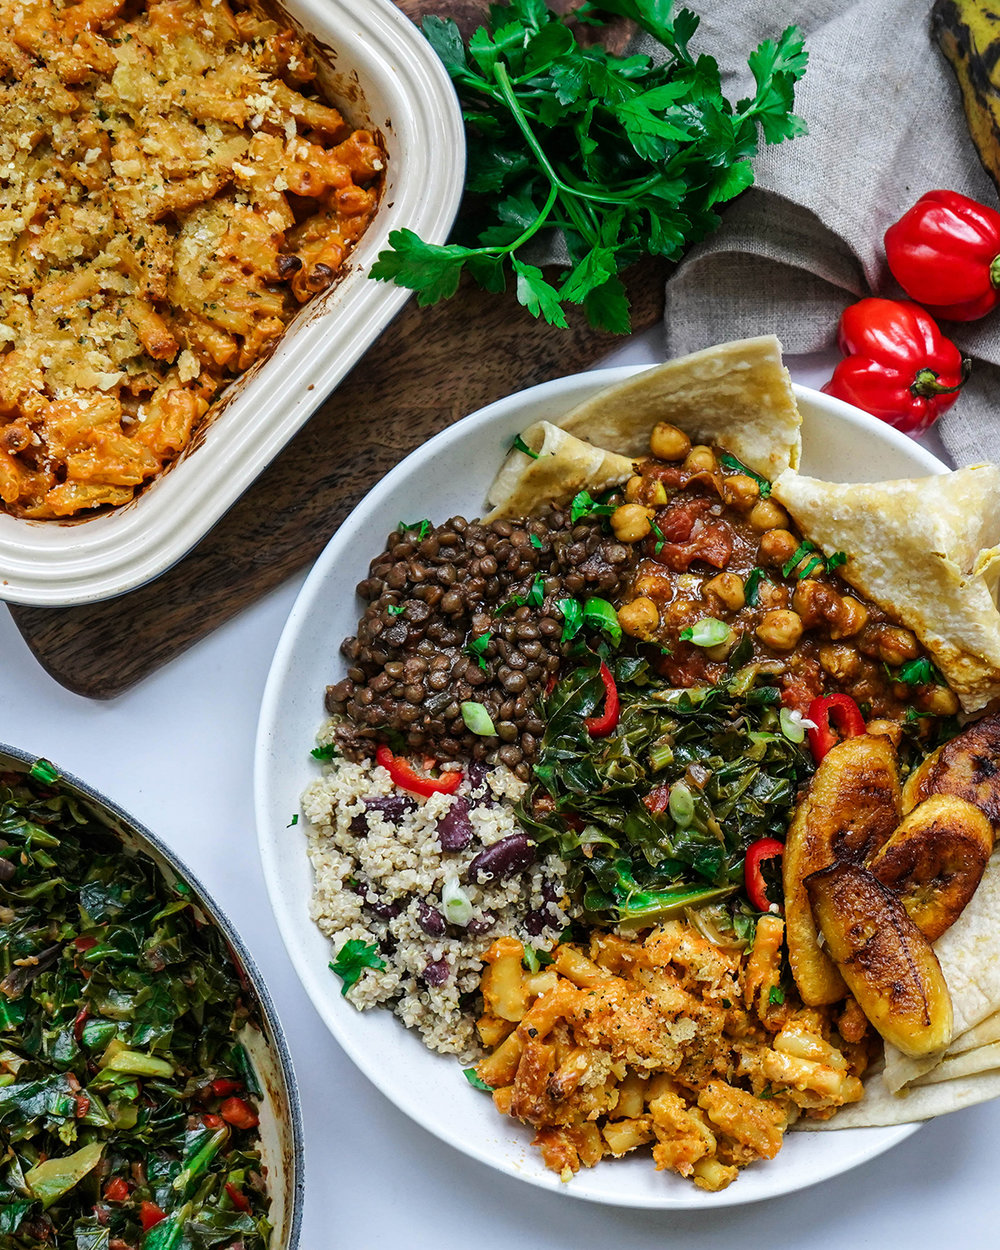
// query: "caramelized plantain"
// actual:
[[851, 809], [968, 766], [886, 961], [935, 860]]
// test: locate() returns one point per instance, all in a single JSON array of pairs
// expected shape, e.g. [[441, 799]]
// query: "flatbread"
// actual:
[[879, 1107], [561, 467], [738, 395], [927, 550]]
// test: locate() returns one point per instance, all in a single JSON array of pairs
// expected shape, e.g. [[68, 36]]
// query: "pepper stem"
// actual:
[[926, 384], [995, 271]]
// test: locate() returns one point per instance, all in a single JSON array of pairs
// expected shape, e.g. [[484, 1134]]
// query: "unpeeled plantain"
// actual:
[[968, 32]]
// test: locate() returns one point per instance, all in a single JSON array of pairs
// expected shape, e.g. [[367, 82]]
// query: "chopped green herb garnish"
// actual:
[[534, 960], [396, 609], [751, 587], [817, 562], [475, 1082], [585, 505], [600, 614], [520, 445], [919, 672], [536, 542], [776, 996], [477, 646], [422, 528], [515, 601], [801, 551], [536, 595], [326, 752], [659, 537], [293, 822], [572, 613], [731, 462], [836, 560], [352, 959]]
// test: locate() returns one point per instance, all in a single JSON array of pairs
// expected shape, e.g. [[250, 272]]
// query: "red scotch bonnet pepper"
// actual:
[[945, 254], [898, 365]]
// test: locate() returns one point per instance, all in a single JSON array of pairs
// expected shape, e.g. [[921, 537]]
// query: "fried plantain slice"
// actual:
[[851, 808], [935, 860], [887, 962], [968, 766]]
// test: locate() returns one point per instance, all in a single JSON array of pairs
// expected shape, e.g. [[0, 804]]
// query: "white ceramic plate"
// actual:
[[449, 475], [384, 74]]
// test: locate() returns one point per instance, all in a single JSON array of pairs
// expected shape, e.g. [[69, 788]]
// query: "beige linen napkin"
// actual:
[[885, 125]]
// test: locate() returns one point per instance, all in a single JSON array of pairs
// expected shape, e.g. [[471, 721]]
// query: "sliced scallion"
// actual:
[[794, 724], [477, 719], [681, 805], [708, 632], [456, 903]]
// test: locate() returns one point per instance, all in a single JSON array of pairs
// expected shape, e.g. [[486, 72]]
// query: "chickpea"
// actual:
[[771, 595], [700, 459], [741, 491], [780, 630], [633, 488], [682, 612], [897, 645], [649, 586], [777, 547], [851, 618], [768, 515], [939, 701], [886, 729], [839, 660], [630, 522], [667, 442], [640, 618], [727, 590]]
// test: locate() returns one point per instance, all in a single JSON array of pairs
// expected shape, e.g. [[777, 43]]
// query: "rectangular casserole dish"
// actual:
[[378, 68]]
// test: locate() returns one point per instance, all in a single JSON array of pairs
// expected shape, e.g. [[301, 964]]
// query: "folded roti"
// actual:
[[927, 550], [738, 395], [560, 467]]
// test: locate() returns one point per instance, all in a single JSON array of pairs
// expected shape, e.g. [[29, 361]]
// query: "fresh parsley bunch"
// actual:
[[625, 157]]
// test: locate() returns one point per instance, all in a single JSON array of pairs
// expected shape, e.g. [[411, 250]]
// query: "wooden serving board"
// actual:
[[428, 369]]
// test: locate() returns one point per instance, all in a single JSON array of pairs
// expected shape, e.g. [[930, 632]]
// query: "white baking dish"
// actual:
[[384, 75]]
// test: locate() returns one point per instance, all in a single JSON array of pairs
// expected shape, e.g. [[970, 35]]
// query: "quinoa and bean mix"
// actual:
[[596, 721]]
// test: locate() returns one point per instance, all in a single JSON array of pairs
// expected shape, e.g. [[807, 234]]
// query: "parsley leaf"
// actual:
[[325, 752], [477, 647], [919, 672], [475, 1081], [585, 505], [422, 528], [353, 958], [731, 462], [536, 595], [622, 156]]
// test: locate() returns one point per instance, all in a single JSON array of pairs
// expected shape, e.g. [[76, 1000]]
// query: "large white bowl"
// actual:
[[449, 475], [377, 65]]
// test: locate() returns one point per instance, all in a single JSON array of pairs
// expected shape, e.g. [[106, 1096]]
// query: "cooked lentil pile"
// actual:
[[433, 596]]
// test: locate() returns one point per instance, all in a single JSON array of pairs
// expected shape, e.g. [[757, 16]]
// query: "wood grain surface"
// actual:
[[429, 368]]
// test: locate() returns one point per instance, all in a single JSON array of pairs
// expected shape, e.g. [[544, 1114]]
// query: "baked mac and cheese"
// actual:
[[172, 188]]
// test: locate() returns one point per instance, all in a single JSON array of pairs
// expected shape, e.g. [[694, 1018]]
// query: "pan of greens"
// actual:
[[147, 1099]]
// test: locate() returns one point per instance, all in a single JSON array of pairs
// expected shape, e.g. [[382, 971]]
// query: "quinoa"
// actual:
[[379, 874]]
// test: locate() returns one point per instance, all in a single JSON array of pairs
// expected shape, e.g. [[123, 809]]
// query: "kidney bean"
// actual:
[[503, 859], [391, 806], [383, 909], [430, 919], [454, 829], [479, 925], [436, 973], [536, 922]]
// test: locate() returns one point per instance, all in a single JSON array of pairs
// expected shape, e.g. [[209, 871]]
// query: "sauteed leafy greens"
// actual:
[[127, 1113], [638, 855]]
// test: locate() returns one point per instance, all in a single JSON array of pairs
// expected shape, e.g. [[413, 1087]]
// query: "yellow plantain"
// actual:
[[968, 766], [935, 860], [886, 961], [968, 32], [851, 808]]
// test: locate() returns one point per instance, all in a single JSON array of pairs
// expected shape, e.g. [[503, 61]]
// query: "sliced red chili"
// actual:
[[116, 1190], [239, 1113], [833, 715], [84, 943], [236, 1196], [212, 1121], [758, 853], [79, 1021], [150, 1215], [222, 1087], [600, 726], [403, 775]]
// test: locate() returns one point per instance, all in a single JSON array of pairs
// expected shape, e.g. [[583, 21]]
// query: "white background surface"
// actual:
[[176, 751]]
